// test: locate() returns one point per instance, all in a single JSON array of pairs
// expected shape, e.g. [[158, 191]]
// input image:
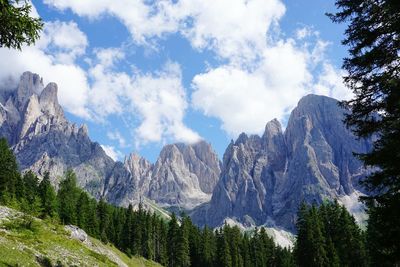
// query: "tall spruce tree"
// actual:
[[9, 175], [48, 197], [173, 233], [183, 247], [67, 197], [31, 202], [373, 37]]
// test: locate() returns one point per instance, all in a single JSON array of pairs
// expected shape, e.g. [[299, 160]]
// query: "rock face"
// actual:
[[264, 179], [184, 175], [43, 140]]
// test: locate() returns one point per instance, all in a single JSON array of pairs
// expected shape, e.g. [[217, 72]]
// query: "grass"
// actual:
[[44, 243]]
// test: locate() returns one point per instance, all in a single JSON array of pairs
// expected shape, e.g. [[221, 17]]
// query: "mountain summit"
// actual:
[[265, 178], [34, 124]]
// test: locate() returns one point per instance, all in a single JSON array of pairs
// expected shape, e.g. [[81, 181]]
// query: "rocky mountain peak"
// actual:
[[83, 130], [272, 128], [30, 83], [184, 174], [265, 179], [49, 100]]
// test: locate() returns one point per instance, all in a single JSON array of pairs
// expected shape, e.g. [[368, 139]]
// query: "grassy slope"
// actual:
[[20, 246]]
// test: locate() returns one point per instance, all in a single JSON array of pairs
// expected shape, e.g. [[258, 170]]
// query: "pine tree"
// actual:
[[173, 233], [83, 211], [223, 249], [31, 202], [48, 197], [67, 197], [310, 247], [104, 217], [9, 175], [373, 69], [208, 247], [183, 248]]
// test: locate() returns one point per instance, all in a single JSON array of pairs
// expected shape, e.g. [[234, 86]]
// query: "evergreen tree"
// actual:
[[183, 251], [173, 233], [67, 197], [224, 258], [9, 175], [31, 202], [207, 248], [103, 216], [373, 69], [284, 258], [48, 197], [83, 211], [311, 243]]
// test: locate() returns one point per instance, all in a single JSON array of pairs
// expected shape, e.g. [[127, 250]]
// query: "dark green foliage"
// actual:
[[328, 236], [9, 175], [68, 195], [31, 201], [48, 197], [16, 25], [374, 77], [173, 233]]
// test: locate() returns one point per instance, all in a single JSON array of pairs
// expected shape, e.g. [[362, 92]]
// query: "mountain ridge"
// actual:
[[43, 140], [265, 178], [261, 179]]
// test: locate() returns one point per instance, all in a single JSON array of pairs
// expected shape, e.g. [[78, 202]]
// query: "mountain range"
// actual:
[[261, 179]]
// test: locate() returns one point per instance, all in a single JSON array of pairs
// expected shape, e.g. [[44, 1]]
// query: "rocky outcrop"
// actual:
[[44, 140], [264, 179], [184, 175]]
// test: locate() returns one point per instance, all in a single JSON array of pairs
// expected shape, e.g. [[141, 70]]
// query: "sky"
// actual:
[[145, 73]]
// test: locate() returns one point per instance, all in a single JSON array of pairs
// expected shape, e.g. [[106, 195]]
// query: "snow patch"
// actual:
[[281, 237], [354, 206]]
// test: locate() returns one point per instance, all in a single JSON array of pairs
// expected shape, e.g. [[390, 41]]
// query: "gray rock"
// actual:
[[44, 140], [264, 179], [184, 175], [77, 233]]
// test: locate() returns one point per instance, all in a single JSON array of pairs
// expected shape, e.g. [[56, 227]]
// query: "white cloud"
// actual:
[[231, 29], [116, 136], [160, 100], [72, 80], [64, 40], [330, 83], [262, 76], [304, 32], [142, 20], [108, 85], [112, 152], [245, 100], [157, 100]]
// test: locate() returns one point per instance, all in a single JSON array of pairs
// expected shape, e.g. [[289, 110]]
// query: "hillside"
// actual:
[[25, 241]]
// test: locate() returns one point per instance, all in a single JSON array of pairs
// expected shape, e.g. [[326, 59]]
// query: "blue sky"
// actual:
[[142, 74]]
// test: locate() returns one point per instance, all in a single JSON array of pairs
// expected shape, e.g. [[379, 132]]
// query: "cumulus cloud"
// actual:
[[229, 28], [160, 100], [64, 40], [53, 56], [330, 83], [262, 72], [112, 152], [116, 136], [156, 99], [245, 100]]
